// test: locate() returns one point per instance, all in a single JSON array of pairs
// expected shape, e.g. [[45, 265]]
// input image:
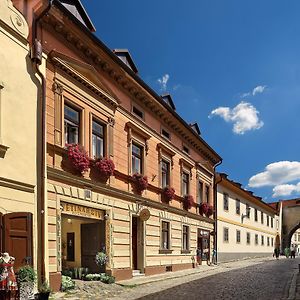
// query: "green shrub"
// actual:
[[26, 274], [92, 277], [67, 283], [105, 278]]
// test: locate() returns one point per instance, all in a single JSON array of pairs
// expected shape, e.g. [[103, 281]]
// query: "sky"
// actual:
[[232, 66]]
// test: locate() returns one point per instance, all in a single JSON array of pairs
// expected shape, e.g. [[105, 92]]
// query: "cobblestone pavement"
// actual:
[[270, 280]]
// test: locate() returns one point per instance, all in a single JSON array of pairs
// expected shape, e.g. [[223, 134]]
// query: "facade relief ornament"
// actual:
[[57, 88], [13, 18]]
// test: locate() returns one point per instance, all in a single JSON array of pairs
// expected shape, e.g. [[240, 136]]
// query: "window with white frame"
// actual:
[[256, 239], [165, 173], [137, 158], [185, 237], [185, 183], [97, 139], [225, 201], [248, 238], [237, 206], [225, 234], [165, 235], [71, 124], [262, 240], [238, 236], [255, 215]]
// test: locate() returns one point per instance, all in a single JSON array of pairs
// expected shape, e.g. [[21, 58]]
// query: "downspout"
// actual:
[[216, 209], [36, 58]]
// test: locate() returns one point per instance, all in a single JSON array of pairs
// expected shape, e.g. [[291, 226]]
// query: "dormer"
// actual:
[[196, 128], [76, 8], [168, 100], [126, 58]]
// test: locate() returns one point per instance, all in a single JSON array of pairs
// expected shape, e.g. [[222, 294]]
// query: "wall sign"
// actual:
[[82, 211]]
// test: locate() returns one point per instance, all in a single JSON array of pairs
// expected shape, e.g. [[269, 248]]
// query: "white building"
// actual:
[[246, 226], [295, 241]]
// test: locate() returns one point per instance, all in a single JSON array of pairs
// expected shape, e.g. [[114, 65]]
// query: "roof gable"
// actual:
[[76, 8], [168, 100]]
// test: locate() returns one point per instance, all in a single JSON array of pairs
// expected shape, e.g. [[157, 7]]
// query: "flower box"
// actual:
[[168, 194], [78, 158], [140, 182], [188, 202], [105, 168]]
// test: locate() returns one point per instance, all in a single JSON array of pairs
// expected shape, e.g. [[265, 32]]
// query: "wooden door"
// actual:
[[199, 250], [134, 243], [90, 245], [18, 237]]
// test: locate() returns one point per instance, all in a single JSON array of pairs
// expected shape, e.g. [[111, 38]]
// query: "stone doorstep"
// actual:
[[164, 276]]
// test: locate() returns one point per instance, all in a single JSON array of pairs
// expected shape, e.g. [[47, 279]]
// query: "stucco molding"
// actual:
[[10, 16], [17, 185]]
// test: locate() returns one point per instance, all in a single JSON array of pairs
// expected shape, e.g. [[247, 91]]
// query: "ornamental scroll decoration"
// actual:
[[13, 18]]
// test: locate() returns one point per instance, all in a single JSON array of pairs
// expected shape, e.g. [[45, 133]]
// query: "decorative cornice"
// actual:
[[56, 174], [17, 185], [10, 16]]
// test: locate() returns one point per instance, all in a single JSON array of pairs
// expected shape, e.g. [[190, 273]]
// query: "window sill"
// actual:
[[165, 251], [185, 251]]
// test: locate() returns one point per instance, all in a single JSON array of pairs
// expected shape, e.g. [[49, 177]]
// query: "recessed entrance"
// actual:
[[81, 239], [203, 241], [137, 244]]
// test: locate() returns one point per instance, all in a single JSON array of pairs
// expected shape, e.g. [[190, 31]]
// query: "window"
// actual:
[[207, 192], [200, 192], [225, 234], [255, 215], [262, 217], [165, 235], [165, 173], [268, 221], [165, 134], [137, 112], [137, 159], [248, 238], [185, 183], [225, 201], [97, 140], [272, 242], [238, 236], [248, 211], [238, 206], [186, 149], [272, 222], [268, 241], [262, 240], [185, 237], [256, 239], [71, 123]]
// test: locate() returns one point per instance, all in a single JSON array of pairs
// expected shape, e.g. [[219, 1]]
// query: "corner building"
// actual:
[[96, 99]]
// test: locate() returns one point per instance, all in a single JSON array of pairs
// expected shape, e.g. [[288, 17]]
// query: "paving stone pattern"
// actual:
[[270, 280]]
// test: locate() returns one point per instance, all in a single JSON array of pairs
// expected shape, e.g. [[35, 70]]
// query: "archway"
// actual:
[[294, 243]]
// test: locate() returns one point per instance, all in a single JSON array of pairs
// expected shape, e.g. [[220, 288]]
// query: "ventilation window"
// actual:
[[186, 149], [165, 134], [137, 112]]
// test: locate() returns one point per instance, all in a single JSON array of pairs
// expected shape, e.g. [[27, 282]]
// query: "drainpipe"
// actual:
[[216, 208], [36, 58]]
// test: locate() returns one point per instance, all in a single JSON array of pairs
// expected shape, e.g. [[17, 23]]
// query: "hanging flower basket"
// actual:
[[105, 168], [188, 202], [203, 208], [210, 211], [168, 194], [78, 158], [140, 182]]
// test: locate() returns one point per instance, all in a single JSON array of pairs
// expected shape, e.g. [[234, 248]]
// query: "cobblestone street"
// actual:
[[270, 280]]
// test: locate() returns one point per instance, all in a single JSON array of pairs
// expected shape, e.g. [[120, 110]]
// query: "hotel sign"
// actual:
[[82, 211]]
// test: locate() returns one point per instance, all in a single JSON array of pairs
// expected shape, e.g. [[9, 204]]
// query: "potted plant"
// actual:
[[203, 208], [44, 291], [168, 194], [78, 158], [188, 201], [210, 211], [105, 168], [26, 279], [140, 182]]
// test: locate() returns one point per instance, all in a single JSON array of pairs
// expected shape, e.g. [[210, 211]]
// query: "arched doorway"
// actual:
[[294, 242]]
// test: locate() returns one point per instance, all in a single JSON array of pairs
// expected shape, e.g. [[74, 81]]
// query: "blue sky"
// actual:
[[210, 56]]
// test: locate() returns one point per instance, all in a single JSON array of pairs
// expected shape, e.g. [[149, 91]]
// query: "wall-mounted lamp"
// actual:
[[106, 216], [69, 221], [247, 214]]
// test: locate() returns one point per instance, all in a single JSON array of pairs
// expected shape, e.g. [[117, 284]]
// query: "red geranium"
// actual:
[[168, 193], [105, 167], [188, 202], [140, 182], [210, 211], [78, 158], [203, 209]]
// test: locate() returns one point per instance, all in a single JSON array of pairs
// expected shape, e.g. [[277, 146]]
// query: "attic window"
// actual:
[[137, 112], [168, 100], [165, 134], [186, 149]]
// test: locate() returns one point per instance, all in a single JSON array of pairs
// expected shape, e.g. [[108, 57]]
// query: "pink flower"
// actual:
[[188, 202], [140, 182], [203, 208], [105, 167], [78, 158], [168, 193]]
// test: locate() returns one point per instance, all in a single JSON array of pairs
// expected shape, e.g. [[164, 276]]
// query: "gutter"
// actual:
[[216, 209], [36, 58]]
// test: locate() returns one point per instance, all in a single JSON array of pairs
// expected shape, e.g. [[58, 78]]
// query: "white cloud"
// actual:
[[244, 117], [259, 89], [163, 81], [244, 95], [286, 189], [276, 174]]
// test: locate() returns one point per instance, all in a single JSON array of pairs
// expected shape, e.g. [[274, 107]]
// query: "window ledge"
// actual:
[[3, 150], [165, 251], [185, 251]]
